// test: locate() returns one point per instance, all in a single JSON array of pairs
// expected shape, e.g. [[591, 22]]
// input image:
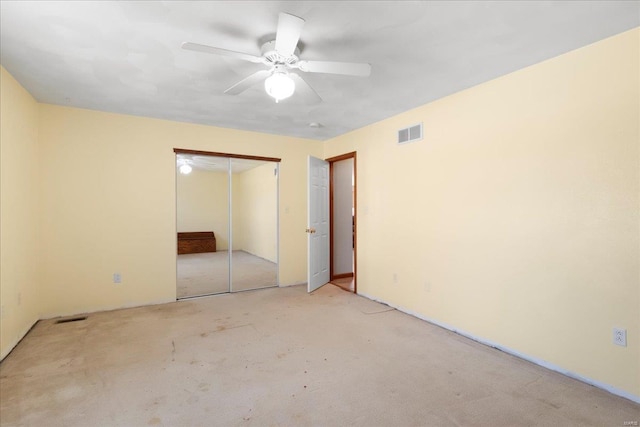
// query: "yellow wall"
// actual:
[[19, 212], [255, 211], [109, 204], [516, 219], [203, 204]]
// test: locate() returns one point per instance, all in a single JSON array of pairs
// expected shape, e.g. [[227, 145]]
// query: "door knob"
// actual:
[[311, 230]]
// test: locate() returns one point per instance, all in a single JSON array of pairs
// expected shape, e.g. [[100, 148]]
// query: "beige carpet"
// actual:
[[282, 357], [208, 273]]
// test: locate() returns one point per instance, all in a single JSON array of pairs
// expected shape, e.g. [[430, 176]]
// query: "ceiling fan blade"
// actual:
[[246, 83], [345, 68], [304, 91], [288, 34], [219, 51]]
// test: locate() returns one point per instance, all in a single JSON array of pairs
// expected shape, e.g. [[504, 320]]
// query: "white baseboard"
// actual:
[[53, 315], [611, 389], [13, 345], [292, 284]]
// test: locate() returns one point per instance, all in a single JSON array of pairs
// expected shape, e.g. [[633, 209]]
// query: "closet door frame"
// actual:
[[230, 156]]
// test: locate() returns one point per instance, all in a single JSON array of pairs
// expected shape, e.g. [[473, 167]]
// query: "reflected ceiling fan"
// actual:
[[281, 56]]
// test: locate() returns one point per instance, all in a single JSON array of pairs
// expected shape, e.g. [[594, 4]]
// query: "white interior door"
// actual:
[[318, 224]]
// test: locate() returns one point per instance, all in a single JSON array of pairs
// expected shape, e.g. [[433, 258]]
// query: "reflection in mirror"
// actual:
[[202, 196], [254, 195]]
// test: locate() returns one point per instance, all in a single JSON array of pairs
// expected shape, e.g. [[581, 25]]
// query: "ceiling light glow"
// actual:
[[279, 85]]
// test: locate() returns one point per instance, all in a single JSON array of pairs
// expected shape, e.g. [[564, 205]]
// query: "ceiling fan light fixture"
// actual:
[[279, 85], [282, 55]]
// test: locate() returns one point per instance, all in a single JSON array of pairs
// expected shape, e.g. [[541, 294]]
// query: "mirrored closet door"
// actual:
[[254, 258], [227, 223]]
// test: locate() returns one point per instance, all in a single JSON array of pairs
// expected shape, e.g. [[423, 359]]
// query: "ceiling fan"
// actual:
[[282, 57]]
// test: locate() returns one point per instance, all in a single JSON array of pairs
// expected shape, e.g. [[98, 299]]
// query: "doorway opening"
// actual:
[[343, 221], [227, 223]]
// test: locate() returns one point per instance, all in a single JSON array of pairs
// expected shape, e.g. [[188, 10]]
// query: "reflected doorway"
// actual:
[[227, 223]]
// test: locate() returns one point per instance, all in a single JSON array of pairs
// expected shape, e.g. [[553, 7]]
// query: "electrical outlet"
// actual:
[[117, 278], [620, 337]]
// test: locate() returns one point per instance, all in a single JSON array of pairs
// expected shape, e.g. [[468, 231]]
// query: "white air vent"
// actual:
[[410, 134]]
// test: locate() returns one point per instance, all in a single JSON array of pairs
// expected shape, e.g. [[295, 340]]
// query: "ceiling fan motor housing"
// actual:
[[272, 57]]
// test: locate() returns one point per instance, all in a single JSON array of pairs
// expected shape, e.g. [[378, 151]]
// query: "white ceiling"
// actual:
[[125, 56]]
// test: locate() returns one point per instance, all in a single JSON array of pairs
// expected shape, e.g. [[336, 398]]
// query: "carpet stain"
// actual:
[[154, 421], [225, 328], [546, 402], [247, 418]]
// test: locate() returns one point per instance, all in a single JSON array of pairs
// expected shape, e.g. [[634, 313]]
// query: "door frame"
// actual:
[[332, 160], [231, 156]]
